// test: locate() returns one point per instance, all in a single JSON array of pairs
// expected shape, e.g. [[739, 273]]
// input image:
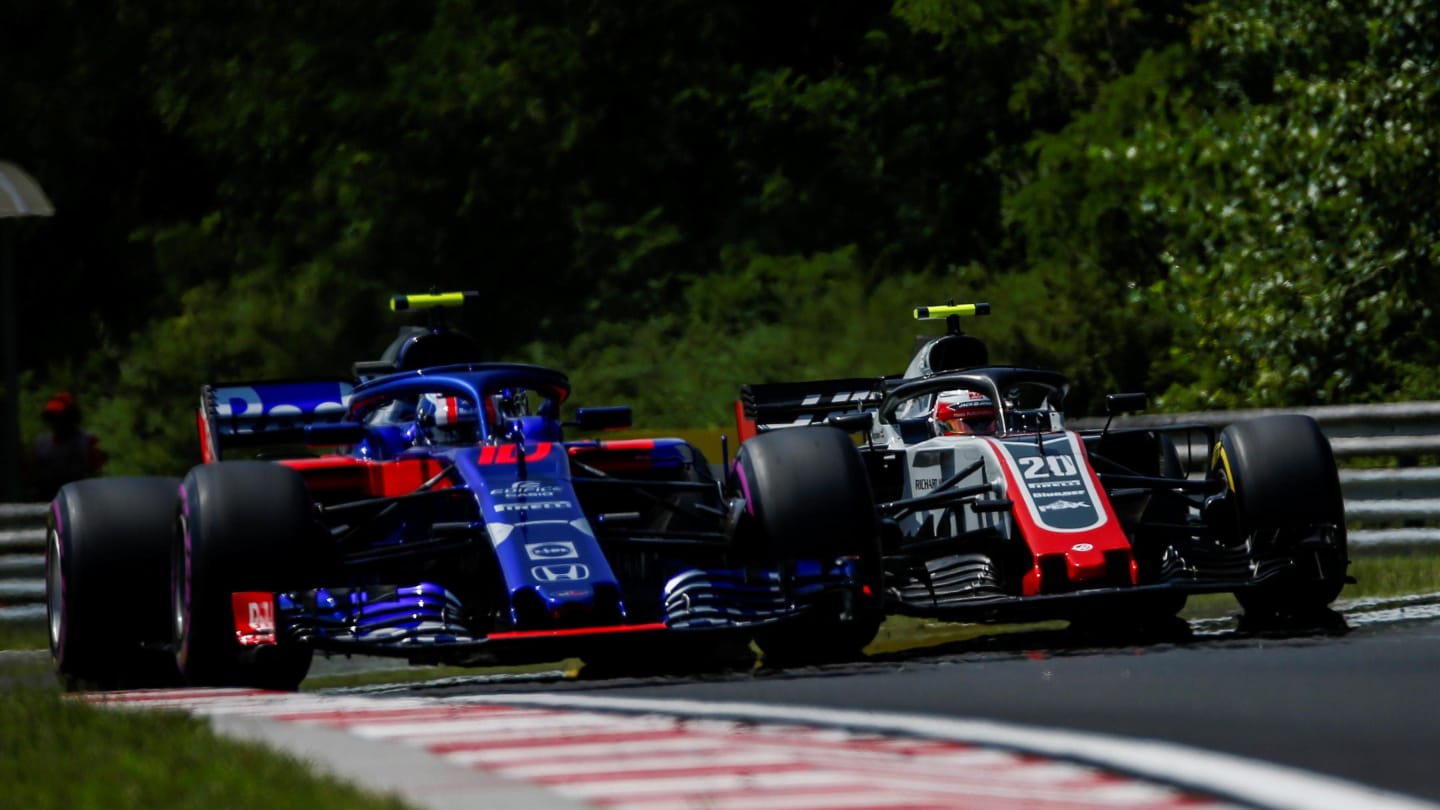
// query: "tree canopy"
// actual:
[[1229, 204]]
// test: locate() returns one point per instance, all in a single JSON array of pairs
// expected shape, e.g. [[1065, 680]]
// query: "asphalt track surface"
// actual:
[[1353, 697], [1350, 699]]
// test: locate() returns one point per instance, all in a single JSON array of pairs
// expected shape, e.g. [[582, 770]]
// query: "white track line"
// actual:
[[1264, 784], [649, 754], [648, 761]]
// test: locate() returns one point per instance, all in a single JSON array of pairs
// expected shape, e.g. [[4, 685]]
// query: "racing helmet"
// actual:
[[448, 419], [965, 412]]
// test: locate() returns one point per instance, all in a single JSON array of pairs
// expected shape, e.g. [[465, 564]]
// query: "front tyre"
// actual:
[[1283, 498], [107, 552], [243, 526], [807, 497]]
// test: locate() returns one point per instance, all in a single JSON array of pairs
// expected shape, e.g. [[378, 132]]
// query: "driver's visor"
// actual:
[[980, 426]]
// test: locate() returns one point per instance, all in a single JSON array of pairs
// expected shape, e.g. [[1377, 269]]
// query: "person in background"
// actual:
[[65, 452]]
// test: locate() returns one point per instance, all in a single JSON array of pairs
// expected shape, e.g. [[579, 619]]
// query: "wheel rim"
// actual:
[[54, 591]]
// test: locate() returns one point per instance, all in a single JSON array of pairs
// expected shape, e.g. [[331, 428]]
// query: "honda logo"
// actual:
[[561, 573]]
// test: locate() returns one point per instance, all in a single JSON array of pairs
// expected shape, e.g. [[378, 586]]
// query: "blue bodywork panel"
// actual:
[[501, 476]]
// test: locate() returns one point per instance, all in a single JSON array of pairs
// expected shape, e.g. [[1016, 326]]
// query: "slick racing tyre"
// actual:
[[807, 497], [107, 573], [1283, 493], [243, 526]]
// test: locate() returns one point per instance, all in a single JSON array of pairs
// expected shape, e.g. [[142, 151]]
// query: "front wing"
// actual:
[[426, 623], [1042, 607]]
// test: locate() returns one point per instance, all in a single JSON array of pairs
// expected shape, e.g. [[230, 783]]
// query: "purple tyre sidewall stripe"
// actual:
[[182, 649], [744, 487]]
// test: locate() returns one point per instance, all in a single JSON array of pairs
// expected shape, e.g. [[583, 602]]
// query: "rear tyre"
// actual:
[[1283, 498], [244, 526], [807, 497], [107, 571]]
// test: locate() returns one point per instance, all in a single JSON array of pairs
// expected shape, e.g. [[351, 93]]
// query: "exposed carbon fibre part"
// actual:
[[1209, 560], [954, 579], [1172, 565], [742, 596]]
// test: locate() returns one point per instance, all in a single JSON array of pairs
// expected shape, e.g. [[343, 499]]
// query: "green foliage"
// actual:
[[765, 318], [1230, 203], [253, 327], [1309, 264], [1271, 186]]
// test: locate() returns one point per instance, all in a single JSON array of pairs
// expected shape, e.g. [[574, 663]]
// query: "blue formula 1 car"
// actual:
[[439, 514]]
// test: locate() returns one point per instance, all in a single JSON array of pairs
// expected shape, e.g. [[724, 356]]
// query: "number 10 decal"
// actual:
[[508, 454], [1037, 467]]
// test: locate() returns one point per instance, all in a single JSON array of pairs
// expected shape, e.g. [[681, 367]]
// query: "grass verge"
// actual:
[[409, 674], [26, 635], [1394, 570], [59, 754]]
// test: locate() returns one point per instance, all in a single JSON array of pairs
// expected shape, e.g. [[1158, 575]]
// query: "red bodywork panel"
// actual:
[[207, 449], [617, 455], [744, 425], [580, 631], [254, 613], [1087, 553], [329, 474]]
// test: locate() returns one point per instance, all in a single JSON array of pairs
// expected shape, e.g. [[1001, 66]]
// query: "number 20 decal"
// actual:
[[1037, 467]]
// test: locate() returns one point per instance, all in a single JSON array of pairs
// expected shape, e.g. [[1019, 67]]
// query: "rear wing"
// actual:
[[268, 413], [767, 406]]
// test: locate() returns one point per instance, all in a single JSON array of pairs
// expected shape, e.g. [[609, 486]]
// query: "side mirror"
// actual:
[[851, 422], [611, 417], [1125, 403], [915, 429], [335, 433]]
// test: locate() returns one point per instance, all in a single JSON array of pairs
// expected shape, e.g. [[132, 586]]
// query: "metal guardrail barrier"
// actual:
[[1391, 504], [1397, 503], [22, 561]]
